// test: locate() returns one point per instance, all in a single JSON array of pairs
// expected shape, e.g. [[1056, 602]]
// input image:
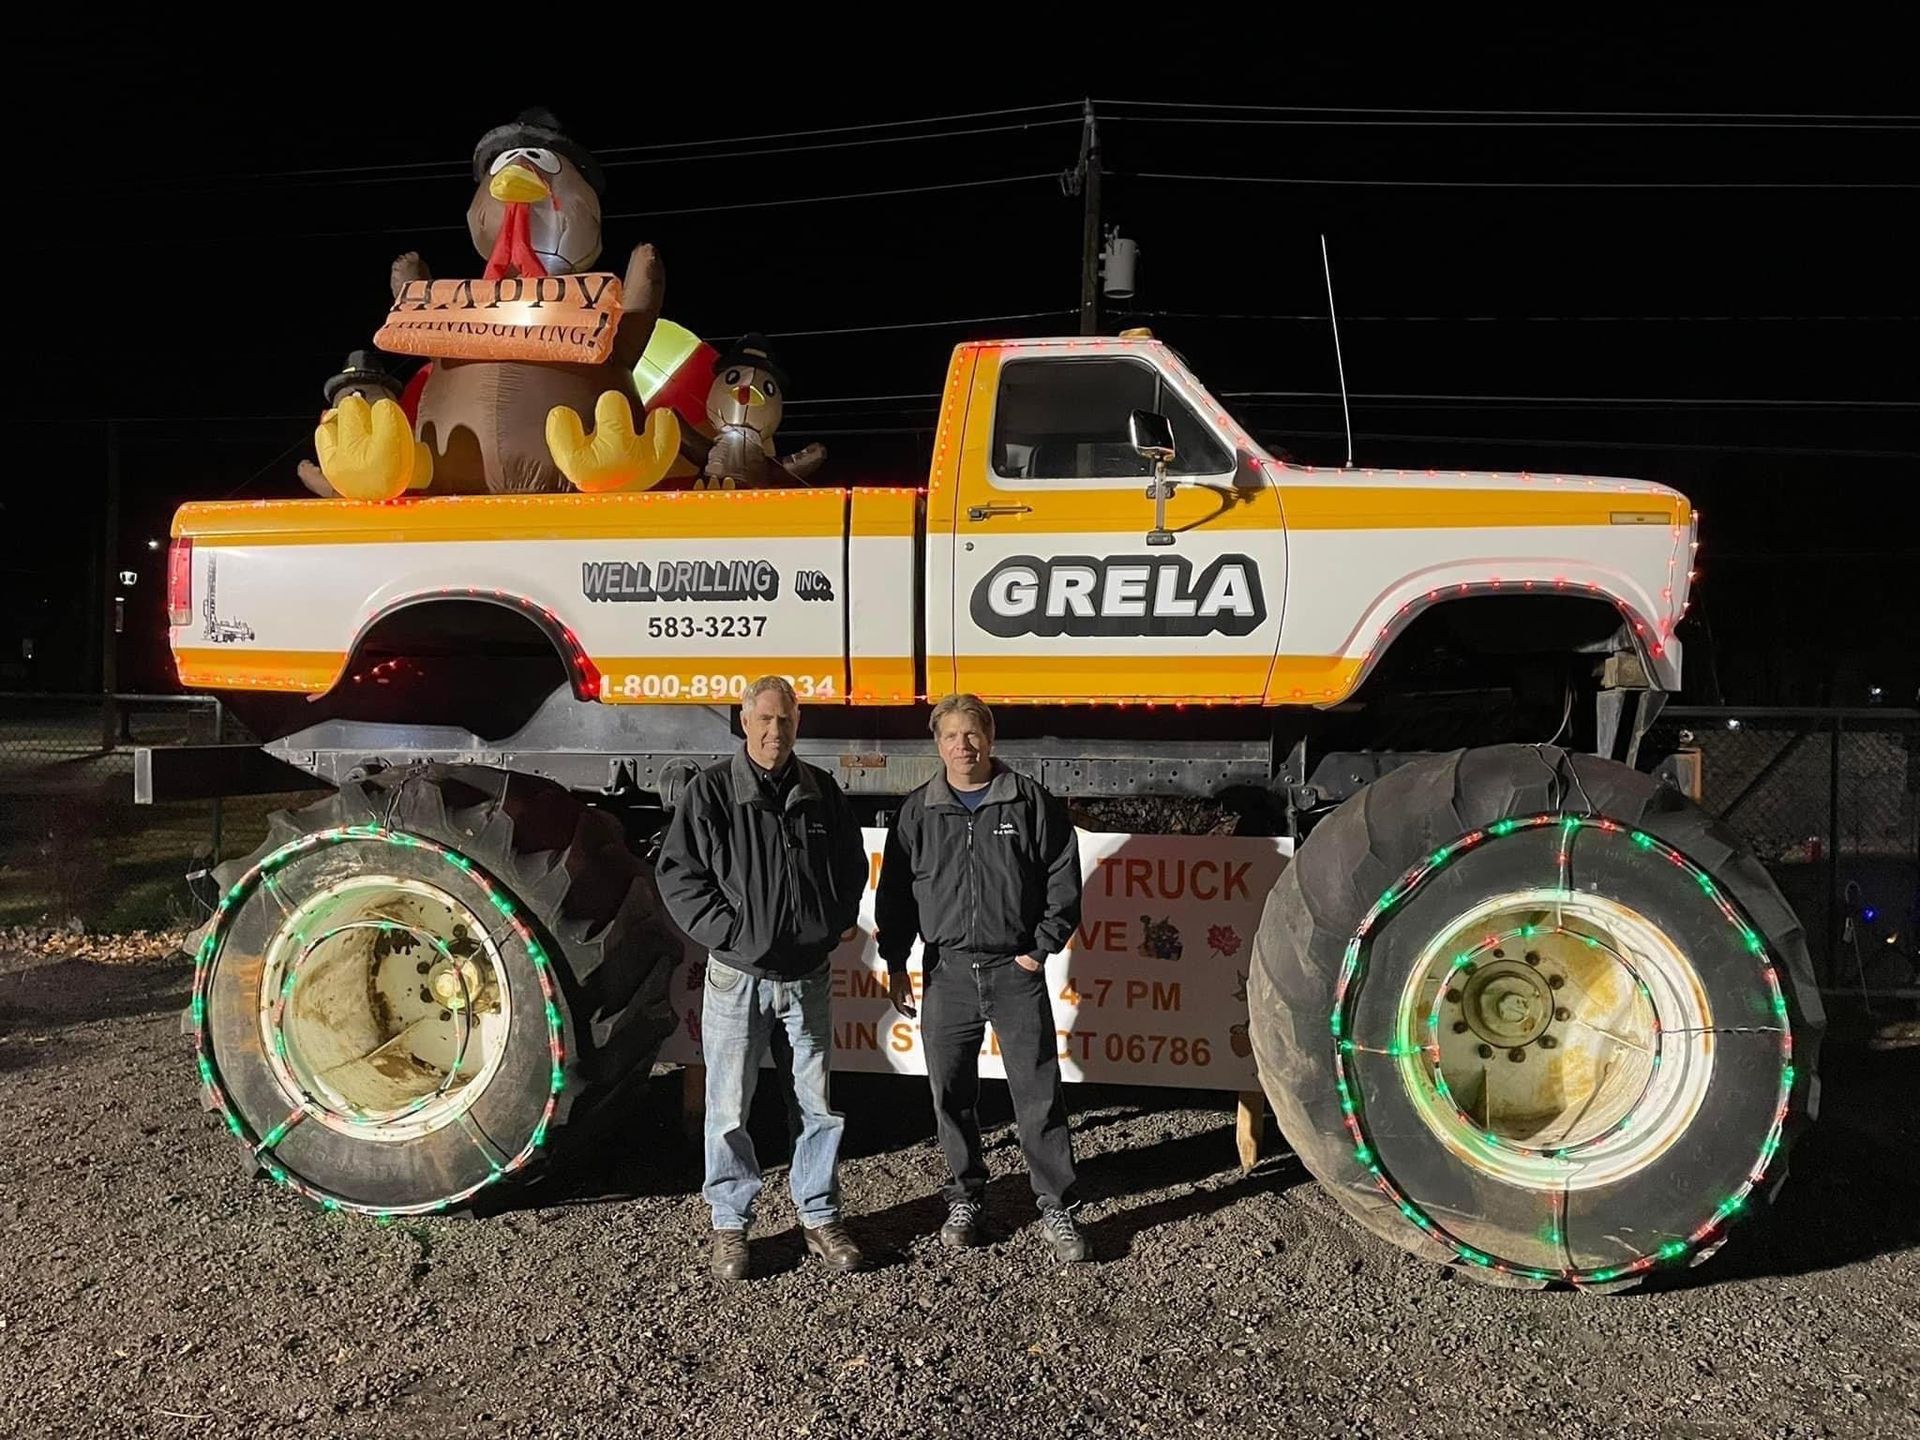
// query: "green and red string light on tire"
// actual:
[[263, 1145], [1346, 989]]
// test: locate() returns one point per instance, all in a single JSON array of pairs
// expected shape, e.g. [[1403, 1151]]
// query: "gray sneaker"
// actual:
[[964, 1228], [1059, 1231]]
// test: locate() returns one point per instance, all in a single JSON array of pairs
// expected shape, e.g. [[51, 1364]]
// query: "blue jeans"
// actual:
[[741, 1020]]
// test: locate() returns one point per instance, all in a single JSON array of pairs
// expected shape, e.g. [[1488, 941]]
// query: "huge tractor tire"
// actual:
[[417, 985], [1534, 1015]]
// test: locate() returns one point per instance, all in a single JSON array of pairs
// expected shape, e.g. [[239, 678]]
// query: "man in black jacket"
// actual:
[[982, 865], [764, 866]]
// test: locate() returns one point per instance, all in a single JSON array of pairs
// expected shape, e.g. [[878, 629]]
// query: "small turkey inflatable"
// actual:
[[364, 377], [744, 405], [729, 405]]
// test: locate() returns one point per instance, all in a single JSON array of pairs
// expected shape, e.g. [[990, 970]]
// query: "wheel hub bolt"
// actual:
[[1547, 1042], [1556, 981], [422, 968], [1561, 1012], [1459, 1027], [1533, 957], [1484, 1051], [1453, 997], [1517, 1054]]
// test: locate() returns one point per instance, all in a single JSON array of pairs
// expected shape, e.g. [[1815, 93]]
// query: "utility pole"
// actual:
[[1089, 178], [110, 565], [109, 587]]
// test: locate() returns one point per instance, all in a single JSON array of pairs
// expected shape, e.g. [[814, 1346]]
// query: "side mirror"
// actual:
[[1152, 436]]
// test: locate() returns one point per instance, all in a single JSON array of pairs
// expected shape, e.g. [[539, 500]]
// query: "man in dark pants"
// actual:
[[983, 865], [764, 866]]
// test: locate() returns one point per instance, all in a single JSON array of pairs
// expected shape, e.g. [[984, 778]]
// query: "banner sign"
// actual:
[[1152, 989], [550, 318]]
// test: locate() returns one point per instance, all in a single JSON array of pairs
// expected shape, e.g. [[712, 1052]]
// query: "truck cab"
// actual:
[[1281, 585]]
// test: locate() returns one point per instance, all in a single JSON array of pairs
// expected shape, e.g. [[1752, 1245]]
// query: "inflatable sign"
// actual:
[[564, 319]]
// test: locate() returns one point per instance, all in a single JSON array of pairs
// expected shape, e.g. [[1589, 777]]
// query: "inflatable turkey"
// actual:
[[744, 407], [517, 425], [363, 377]]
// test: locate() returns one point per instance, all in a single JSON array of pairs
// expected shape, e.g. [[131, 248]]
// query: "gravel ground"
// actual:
[[148, 1289]]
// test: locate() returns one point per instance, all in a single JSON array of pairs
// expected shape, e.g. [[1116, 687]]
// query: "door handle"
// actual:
[[981, 512]]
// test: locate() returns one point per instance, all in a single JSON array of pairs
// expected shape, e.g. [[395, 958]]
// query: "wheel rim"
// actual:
[[1531, 1039], [385, 1007]]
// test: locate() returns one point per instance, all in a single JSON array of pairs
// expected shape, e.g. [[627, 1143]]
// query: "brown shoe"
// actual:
[[833, 1245], [730, 1254]]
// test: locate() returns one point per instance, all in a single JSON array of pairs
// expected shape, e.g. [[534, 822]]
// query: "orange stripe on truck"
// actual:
[[1417, 507], [227, 668], [662, 515], [1301, 679]]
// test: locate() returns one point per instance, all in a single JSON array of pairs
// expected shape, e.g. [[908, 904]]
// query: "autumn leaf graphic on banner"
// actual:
[[1223, 940], [1237, 1038], [1160, 939]]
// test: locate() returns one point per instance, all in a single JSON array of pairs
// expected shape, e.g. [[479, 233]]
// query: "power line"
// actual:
[[1842, 127], [1414, 398], [461, 172], [861, 399], [1321, 319], [905, 325], [1623, 401], [1382, 436], [737, 205], [462, 167], [841, 129], [842, 144], [300, 442], [1530, 184], [848, 195], [1392, 110], [1554, 442], [716, 148]]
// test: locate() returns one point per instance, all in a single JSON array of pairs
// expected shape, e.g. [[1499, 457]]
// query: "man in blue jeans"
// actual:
[[764, 866]]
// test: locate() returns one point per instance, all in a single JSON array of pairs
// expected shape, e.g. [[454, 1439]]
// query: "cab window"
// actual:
[[1067, 420]]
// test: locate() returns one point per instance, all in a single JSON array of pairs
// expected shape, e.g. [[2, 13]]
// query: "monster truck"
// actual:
[[1518, 1005]]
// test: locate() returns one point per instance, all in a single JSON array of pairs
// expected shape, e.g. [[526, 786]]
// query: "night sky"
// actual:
[[1725, 303]]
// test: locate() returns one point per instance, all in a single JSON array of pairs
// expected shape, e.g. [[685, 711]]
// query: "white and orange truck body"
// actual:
[[1018, 571]]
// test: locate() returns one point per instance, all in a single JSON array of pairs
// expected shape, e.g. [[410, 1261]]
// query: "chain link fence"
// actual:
[[74, 848], [1830, 801]]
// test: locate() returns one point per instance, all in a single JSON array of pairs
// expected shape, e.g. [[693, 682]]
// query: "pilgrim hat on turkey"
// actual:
[[753, 350], [537, 129], [361, 370]]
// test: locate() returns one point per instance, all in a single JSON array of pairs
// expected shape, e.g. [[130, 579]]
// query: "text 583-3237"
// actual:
[[710, 627]]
